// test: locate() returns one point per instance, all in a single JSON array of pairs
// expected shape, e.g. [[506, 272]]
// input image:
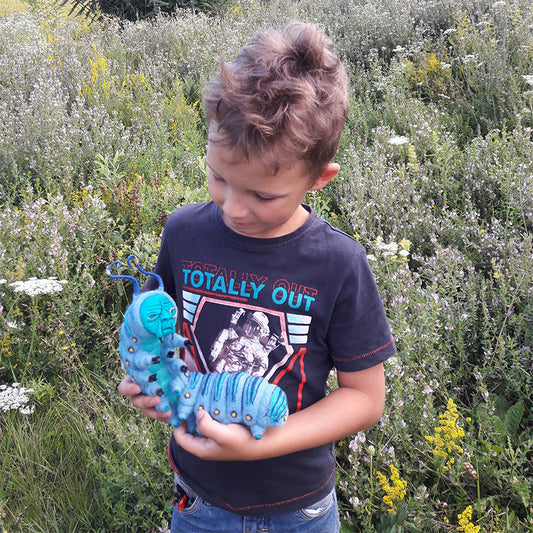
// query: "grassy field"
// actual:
[[102, 136]]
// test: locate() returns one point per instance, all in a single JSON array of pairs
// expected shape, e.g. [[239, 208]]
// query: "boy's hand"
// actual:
[[145, 403], [219, 442]]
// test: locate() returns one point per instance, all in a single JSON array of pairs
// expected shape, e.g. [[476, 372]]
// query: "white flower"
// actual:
[[500, 3], [371, 257], [391, 247], [15, 398], [398, 140], [528, 78], [3, 281], [36, 287], [469, 58]]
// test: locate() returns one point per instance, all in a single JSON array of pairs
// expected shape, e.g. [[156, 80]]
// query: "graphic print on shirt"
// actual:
[[238, 322]]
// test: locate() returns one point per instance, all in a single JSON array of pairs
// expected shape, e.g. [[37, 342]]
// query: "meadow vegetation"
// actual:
[[102, 135]]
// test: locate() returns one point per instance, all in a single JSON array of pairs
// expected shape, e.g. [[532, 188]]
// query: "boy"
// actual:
[[264, 285]]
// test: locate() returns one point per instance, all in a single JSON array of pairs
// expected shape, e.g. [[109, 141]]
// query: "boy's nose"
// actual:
[[234, 206]]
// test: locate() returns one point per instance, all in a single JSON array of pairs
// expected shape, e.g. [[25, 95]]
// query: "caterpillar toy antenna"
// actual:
[[136, 286], [135, 260]]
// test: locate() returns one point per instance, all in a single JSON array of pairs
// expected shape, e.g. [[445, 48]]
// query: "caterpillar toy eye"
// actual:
[[173, 312]]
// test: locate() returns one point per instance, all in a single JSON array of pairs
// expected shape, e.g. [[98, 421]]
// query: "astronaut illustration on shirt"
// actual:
[[246, 346]]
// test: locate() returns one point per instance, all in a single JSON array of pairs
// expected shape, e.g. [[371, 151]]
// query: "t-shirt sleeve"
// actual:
[[359, 335]]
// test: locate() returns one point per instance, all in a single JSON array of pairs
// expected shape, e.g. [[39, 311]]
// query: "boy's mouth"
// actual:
[[236, 224]]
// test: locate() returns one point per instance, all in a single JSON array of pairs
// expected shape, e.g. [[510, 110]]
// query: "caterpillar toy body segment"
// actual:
[[148, 341], [234, 397]]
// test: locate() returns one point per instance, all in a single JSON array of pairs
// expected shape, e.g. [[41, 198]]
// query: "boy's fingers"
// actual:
[[205, 424], [145, 403], [128, 388], [213, 430]]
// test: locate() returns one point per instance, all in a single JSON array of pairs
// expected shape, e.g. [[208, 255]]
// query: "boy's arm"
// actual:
[[356, 405]]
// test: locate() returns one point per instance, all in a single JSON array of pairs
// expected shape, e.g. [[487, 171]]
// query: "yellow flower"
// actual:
[[446, 434], [465, 523], [395, 490], [405, 244]]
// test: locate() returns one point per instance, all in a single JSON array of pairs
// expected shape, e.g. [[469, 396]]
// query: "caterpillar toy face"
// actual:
[[158, 315]]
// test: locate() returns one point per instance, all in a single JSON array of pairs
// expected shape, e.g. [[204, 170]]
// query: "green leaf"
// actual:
[[499, 430], [513, 417]]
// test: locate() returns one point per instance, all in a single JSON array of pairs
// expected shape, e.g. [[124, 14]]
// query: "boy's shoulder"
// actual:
[[190, 209], [189, 215], [336, 242]]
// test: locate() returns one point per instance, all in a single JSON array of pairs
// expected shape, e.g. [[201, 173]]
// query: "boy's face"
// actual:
[[254, 202]]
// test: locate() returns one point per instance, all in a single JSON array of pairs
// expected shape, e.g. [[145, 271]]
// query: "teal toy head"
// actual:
[[158, 314], [154, 311]]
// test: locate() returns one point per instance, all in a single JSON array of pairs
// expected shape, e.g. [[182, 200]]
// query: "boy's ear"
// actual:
[[332, 169]]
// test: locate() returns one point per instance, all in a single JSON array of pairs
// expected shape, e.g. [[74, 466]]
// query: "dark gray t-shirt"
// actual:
[[288, 309]]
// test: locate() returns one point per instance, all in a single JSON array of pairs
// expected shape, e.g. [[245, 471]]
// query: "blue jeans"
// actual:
[[200, 517]]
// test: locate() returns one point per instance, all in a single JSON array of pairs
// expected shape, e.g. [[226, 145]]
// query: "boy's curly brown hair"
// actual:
[[283, 99]]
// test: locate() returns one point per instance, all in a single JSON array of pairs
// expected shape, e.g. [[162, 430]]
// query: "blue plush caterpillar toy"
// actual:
[[148, 341]]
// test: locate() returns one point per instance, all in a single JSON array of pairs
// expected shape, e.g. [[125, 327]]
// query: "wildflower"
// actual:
[[395, 490], [15, 398], [528, 78], [387, 248], [405, 244], [398, 140], [465, 523], [441, 506], [470, 470], [36, 287], [446, 435]]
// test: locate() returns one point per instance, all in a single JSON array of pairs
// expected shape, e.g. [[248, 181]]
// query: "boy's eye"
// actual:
[[262, 198]]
